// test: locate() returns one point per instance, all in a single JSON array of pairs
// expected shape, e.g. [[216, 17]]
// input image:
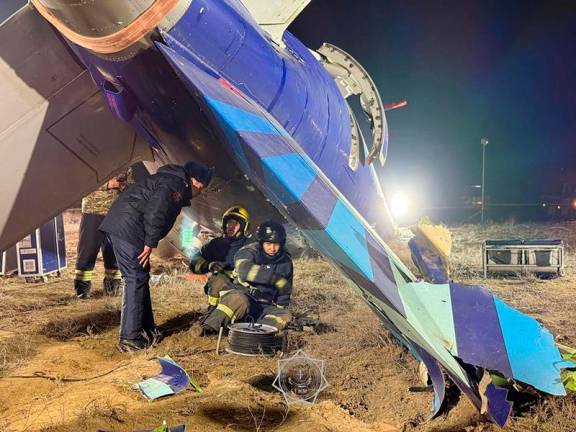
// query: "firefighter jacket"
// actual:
[[146, 211], [100, 201], [269, 279], [220, 249]]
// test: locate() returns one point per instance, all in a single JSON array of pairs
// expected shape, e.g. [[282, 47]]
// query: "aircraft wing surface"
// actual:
[[58, 138]]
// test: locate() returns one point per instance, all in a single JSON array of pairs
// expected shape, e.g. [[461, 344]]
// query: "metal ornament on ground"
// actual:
[[300, 378], [251, 339]]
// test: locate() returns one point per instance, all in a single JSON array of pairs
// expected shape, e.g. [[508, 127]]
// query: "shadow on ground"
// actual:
[[87, 325], [180, 323], [263, 382], [248, 419]]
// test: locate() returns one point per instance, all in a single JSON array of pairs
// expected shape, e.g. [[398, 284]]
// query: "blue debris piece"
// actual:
[[438, 382], [173, 379], [428, 262], [499, 407]]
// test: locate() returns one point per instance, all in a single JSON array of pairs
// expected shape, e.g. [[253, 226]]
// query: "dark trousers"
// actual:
[[238, 305], [137, 319], [90, 242], [216, 286]]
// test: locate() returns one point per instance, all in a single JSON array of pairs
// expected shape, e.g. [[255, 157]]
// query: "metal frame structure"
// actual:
[[522, 249], [8, 261], [31, 250]]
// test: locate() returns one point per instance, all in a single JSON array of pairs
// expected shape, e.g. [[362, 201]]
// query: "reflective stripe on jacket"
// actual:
[[270, 278]]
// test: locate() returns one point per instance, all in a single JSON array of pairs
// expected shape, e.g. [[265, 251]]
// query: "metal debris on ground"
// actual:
[[172, 380], [308, 321], [431, 247]]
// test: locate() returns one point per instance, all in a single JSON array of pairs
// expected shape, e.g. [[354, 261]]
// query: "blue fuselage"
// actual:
[[288, 82]]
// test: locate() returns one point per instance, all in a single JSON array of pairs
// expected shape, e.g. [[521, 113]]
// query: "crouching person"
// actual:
[[262, 285], [217, 256]]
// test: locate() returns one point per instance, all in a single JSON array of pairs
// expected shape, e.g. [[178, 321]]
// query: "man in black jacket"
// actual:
[[217, 256], [262, 286], [136, 222]]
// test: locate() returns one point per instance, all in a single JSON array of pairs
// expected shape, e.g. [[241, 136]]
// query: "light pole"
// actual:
[[484, 143]]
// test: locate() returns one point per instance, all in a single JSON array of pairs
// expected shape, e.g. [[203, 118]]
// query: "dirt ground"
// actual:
[[45, 329]]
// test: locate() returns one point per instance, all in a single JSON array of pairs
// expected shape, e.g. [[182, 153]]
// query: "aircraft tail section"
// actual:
[[450, 327]]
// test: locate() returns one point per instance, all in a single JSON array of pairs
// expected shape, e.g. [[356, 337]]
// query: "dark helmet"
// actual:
[[239, 214], [272, 232]]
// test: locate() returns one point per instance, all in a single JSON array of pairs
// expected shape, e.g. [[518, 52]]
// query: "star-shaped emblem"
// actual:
[[300, 378]]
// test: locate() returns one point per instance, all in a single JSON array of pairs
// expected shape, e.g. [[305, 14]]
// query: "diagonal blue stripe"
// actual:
[[350, 235], [241, 120], [478, 329], [294, 174]]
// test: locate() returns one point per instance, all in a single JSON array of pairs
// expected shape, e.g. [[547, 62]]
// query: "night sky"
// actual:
[[499, 69]]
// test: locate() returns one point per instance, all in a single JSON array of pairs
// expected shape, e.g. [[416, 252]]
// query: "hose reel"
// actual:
[[253, 339]]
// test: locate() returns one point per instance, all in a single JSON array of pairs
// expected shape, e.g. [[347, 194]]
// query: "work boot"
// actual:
[[82, 289], [112, 287], [129, 345]]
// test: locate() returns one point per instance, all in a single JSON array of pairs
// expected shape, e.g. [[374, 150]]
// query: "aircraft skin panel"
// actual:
[[348, 233], [430, 307], [473, 308], [50, 121], [243, 120], [526, 340], [345, 237], [291, 84], [437, 378], [275, 15], [499, 407], [29, 45], [297, 176]]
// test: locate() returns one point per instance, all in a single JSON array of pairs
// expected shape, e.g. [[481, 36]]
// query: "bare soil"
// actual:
[[45, 329]]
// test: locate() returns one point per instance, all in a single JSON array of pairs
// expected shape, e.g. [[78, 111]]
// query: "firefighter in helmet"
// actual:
[[262, 287], [90, 241], [217, 256]]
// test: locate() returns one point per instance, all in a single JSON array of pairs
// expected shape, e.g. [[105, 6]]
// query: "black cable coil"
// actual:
[[253, 339]]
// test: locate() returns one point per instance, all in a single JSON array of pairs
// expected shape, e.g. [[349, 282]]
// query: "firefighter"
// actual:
[[136, 222], [90, 240], [217, 256], [262, 286]]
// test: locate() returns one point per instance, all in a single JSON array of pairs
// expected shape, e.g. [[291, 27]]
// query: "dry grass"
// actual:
[[14, 352], [368, 372]]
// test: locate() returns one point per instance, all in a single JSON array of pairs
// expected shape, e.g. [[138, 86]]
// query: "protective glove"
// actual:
[[216, 266]]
